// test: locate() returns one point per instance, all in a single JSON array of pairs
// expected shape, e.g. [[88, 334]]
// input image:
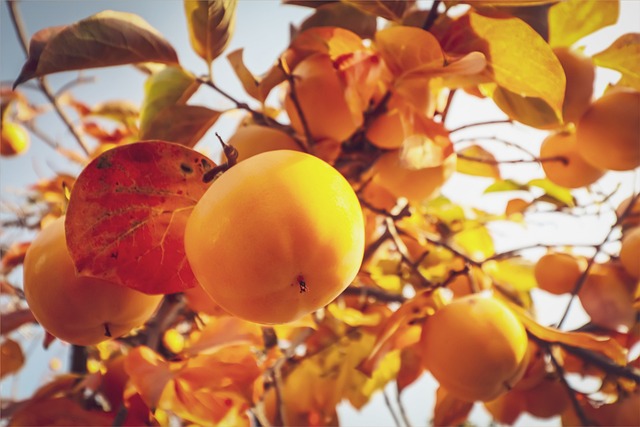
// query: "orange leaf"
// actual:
[[14, 256], [410, 367], [603, 345], [11, 358], [15, 319], [128, 210], [149, 373], [105, 39], [332, 41], [401, 329], [449, 410], [225, 331], [60, 412], [409, 50]]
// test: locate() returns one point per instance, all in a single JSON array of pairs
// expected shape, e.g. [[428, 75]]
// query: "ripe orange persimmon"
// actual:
[[609, 131], [475, 347], [630, 252], [576, 172], [14, 140], [558, 272], [417, 185], [255, 139], [580, 73], [76, 309], [321, 96], [276, 237]]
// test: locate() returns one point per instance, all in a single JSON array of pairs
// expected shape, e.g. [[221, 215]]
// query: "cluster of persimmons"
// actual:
[[323, 223]]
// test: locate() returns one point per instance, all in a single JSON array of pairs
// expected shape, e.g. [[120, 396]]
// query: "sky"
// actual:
[[262, 29]]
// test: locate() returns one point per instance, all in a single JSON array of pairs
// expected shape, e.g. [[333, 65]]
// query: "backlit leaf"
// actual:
[[554, 191], [128, 210], [505, 185], [258, 87], [571, 20], [344, 15], [211, 24], [11, 358], [392, 10], [408, 50], [475, 241], [527, 110], [515, 273], [449, 410], [624, 56], [164, 89], [503, 39], [224, 331], [484, 3], [410, 367], [600, 344], [477, 161], [105, 39], [354, 317]]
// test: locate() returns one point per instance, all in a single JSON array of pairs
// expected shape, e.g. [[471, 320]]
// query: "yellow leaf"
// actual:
[[406, 50], [503, 39], [477, 161], [475, 241], [211, 24], [354, 317], [624, 56], [515, 273], [571, 20], [11, 358]]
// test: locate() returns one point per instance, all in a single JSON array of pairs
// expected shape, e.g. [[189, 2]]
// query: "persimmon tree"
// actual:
[[328, 220]]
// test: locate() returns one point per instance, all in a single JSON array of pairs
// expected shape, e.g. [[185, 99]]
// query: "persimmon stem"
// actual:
[[19, 27], [490, 122], [231, 155]]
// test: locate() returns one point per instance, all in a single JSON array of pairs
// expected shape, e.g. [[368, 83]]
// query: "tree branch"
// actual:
[[432, 16]]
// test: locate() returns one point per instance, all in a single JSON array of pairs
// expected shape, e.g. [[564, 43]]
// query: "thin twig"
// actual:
[[402, 250], [432, 16], [496, 139], [490, 122], [296, 102], [606, 364], [19, 27], [378, 293], [73, 83], [447, 108], [387, 401], [561, 159], [403, 412]]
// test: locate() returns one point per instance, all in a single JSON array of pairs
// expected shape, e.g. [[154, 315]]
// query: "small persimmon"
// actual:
[[576, 172], [609, 131], [255, 139], [275, 237], [77, 309], [558, 272], [15, 139], [475, 347], [630, 252]]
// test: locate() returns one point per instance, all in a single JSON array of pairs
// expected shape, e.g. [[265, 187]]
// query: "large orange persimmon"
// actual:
[[576, 172], [255, 139], [80, 310], [276, 237], [608, 133], [475, 347]]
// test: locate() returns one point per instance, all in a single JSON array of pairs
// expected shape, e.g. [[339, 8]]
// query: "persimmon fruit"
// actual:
[[580, 74], [255, 139], [608, 133], [15, 139], [576, 172], [630, 252], [321, 96], [416, 185], [475, 347], [277, 236], [557, 272], [77, 309]]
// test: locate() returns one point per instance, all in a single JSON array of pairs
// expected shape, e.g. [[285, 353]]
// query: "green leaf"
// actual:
[[106, 39], [505, 185], [211, 24], [504, 40], [182, 124], [571, 20], [624, 56], [344, 15], [475, 160], [169, 87], [554, 191]]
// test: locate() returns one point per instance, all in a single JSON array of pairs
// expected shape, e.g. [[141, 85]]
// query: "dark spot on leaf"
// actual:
[[205, 164], [104, 162], [114, 255], [186, 168], [179, 193]]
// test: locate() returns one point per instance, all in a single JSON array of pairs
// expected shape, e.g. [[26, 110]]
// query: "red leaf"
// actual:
[[449, 410], [105, 39], [15, 319], [128, 210]]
